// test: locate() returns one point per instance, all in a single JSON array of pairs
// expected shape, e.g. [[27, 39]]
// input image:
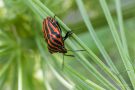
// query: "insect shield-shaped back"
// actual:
[[53, 36]]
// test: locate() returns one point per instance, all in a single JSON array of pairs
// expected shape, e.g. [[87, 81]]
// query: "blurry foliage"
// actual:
[[18, 25]]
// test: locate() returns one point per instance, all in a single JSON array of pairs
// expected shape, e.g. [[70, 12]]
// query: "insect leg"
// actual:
[[67, 35], [76, 50], [63, 62], [54, 16], [63, 59], [69, 55]]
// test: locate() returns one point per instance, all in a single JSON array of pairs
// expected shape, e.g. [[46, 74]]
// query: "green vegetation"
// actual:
[[104, 28]]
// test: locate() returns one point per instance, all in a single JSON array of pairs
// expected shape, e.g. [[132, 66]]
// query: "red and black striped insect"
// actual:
[[53, 36]]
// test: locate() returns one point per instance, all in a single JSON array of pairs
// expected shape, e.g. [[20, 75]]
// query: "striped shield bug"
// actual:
[[53, 37]]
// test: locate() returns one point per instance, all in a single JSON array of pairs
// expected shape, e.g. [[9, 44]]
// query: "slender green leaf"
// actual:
[[20, 87], [123, 54], [5, 67], [121, 26], [97, 41]]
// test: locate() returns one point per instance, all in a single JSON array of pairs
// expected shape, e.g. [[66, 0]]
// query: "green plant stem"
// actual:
[[3, 80], [63, 81], [91, 68], [82, 78], [6, 66], [19, 71], [97, 41], [99, 62], [123, 54], [44, 70], [121, 26], [18, 52], [122, 33], [93, 85], [14, 75]]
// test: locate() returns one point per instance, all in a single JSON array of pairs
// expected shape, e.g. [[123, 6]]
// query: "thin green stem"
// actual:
[[6, 66], [3, 79], [85, 81], [62, 80], [121, 26], [91, 68], [93, 85], [123, 54], [44, 70], [19, 71], [97, 41], [122, 33], [18, 52]]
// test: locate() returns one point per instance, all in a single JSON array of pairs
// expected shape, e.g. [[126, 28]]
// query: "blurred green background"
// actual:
[[18, 25]]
